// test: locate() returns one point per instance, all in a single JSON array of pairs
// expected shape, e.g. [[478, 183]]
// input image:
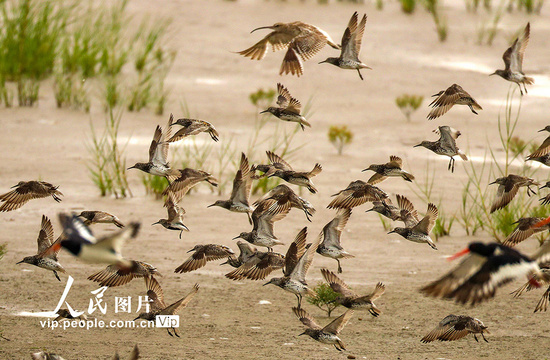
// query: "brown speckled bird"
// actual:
[[113, 276], [301, 40], [202, 254], [391, 168], [357, 193], [349, 298], [193, 127], [446, 99], [159, 307], [100, 217], [454, 327], [508, 187], [524, 230], [289, 108], [328, 334], [513, 61], [28, 190]]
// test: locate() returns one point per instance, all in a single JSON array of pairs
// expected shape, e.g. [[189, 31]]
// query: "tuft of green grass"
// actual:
[[108, 164], [325, 298], [408, 6], [154, 185], [339, 137], [408, 104]]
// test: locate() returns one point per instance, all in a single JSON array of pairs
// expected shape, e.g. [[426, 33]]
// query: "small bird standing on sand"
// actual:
[[28, 190], [513, 62], [297, 263], [266, 213], [175, 215], [349, 298], [454, 95], [283, 194], [488, 267], [113, 276], [392, 168], [301, 40], [289, 108], [202, 254], [508, 187], [541, 154], [454, 327], [524, 230], [96, 217], [46, 259], [83, 244], [330, 246], [446, 145], [240, 195], [159, 307], [328, 334], [357, 193], [351, 47], [193, 127], [158, 155], [300, 178], [420, 232]]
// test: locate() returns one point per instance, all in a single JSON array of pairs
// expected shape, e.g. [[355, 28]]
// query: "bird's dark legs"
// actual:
[[56, 276], [181, 232], [483, 336], [520, 91], [175, 332], [359, 72], [299, 297], [169, 333], [337, 348], [471, 108], [475, 337], [339, 267]]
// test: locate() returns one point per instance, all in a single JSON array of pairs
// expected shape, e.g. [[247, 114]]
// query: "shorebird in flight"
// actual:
[[301, 40]]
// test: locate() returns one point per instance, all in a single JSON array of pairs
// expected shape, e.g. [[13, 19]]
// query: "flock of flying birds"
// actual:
[[474, 280]]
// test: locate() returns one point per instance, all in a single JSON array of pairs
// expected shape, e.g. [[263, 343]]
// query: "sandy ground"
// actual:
[[225, 320]]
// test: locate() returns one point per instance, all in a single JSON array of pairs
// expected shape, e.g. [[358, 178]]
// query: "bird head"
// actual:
[[330, 60], [28, 260], [272, 27]]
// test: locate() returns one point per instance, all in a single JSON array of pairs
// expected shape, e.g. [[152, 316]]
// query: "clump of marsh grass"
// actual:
[[440, 21], [29, 38], [408, 104], [108, 165], [408, 6], [339, 137], [478, 195], [488, 30]]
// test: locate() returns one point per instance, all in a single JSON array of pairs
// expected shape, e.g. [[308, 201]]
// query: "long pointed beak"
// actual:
[[494, 182], [19, 262], [158, 222], [417, 145], [131, 167], [263, 112], [392, 231], [236, 237], [136, 319], [493, 73], [302, 333], [544, 186], [458, 254], [541, 130], [369, 210], [262, 27], [267, 283], [190, 250], [324, 61], [211, 205], [364, 170]]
